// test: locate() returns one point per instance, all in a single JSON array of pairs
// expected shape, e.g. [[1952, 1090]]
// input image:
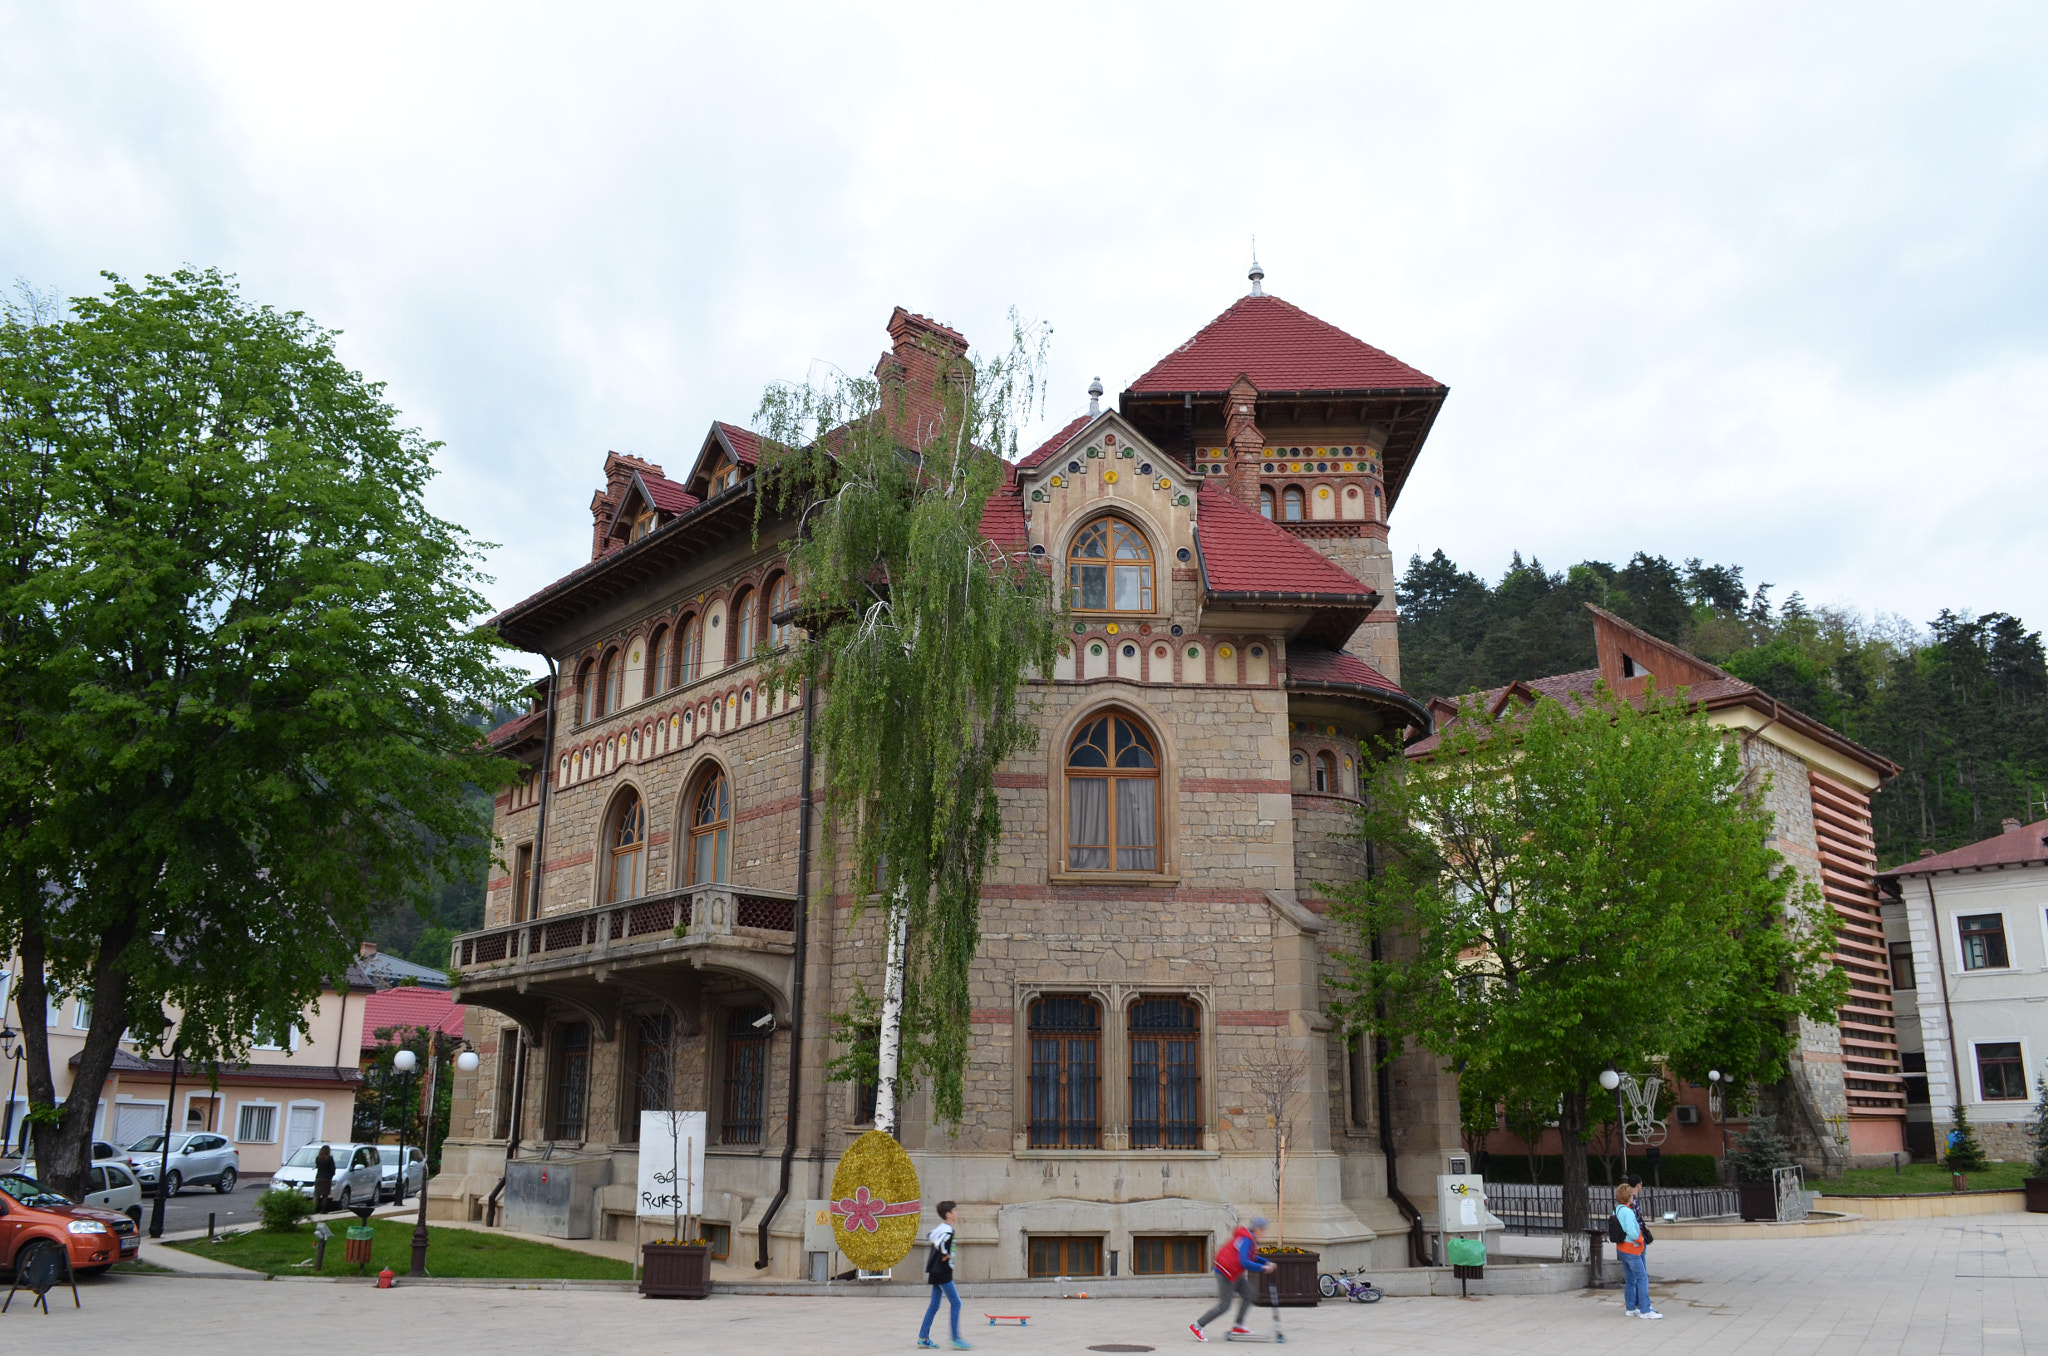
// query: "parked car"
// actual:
[[110, 1185], [415, 1170], [358, 1174], [200, 1158], [34, 1218]]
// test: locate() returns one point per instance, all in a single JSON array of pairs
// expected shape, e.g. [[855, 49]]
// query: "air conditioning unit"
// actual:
[[1688, 1115]]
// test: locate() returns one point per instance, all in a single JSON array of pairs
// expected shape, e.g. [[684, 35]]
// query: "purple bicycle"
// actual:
[[1348, 1285]]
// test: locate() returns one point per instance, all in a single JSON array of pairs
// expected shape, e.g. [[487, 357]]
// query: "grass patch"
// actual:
[[1915, 1178], [454, 1252], [139, 1268]]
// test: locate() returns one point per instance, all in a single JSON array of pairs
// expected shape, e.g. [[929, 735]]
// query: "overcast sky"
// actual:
[[1762, 284]]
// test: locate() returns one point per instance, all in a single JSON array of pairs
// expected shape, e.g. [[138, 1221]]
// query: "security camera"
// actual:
[[765, 1022]]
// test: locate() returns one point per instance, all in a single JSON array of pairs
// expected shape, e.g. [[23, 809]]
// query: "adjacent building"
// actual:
[[1223, 537], [1845, 1101], [1968, 932]]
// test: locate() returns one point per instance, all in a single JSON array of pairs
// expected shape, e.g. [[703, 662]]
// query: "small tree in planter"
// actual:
[[2036, 1182], [679, 1266], [1965, 1154], [1753, 1161]]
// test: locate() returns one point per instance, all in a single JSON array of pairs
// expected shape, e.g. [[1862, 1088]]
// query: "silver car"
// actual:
[[415, 1170], [198, 1158], [358, 1174], [109, 1184]]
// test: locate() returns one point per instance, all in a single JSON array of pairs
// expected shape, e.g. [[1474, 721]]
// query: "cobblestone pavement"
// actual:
[[1970, 1285]]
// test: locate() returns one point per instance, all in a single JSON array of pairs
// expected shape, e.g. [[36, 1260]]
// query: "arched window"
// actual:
[[1326, 773], [586, 687], [1112, 797], [657, 661], [690, 651], [1265, 501], [614, 682], [1290, 504], [1166, 1074], [1066, 1073], [743, 621], [629, 850], [781, 598], [1109, 568], [710, 829]]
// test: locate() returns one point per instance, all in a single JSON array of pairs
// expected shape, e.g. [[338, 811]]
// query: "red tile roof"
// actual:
[[1281, 348], [1334, 668], [2019, 845], [667, 495], [1002, 518], [1054, 444], [410, 1006], [745, 444], [1244, 553], [512, 729]]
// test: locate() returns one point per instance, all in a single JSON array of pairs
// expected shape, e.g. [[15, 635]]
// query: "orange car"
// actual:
[[32, 1217]]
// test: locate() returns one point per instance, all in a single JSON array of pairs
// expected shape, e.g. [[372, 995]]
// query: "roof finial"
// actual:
[[1095, 397], [1257, 275]]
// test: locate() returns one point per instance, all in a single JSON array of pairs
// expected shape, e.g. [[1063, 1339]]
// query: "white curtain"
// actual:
[[1137, 837], [1088, 823]]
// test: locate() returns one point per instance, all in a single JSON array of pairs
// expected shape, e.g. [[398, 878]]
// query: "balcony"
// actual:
[[656, 946]]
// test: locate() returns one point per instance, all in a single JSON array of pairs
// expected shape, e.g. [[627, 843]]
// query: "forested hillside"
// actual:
[[1961, 705]]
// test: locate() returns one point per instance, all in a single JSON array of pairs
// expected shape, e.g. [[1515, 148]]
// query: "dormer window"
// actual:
[[724, 475], [642, 525], [1109, 568]]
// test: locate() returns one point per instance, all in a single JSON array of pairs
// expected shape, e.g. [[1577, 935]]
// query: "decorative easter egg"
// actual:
[[875, 1205]]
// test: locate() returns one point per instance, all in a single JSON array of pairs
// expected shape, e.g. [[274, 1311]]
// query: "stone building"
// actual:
[[1845, 1099], [1223, 537]]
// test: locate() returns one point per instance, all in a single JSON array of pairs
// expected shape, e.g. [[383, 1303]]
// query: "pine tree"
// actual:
[[2038, 1132], [1965, 1154], [1759, 1151]]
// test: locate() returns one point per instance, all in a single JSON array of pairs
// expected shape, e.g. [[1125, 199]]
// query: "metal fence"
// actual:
[[1540, 1209]]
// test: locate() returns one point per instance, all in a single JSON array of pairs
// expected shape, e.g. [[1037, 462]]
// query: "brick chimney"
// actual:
[[367, 950], [618, 470], [2013, 826], [922, 353], [1247, 444]]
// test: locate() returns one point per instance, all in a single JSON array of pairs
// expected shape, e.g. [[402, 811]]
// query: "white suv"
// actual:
[[200, 1158]]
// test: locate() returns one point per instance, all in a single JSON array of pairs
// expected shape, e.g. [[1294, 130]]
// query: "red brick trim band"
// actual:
[[1251, 1018], [998, 1016], [1021, 781], [1234, 785]]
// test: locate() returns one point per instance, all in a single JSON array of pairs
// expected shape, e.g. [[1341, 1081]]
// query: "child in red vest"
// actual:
[[1236, 1263]]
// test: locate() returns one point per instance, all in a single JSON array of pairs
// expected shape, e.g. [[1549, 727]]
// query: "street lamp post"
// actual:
[[466, 1062], [16, 1052], [404, 1061], [1720, 1122], [163, 1170], [1611, 1081]]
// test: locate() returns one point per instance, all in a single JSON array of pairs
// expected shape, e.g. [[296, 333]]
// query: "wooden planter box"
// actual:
[[2037, 1194], [1295, 1273], [1759, 1200], [675, 1270]]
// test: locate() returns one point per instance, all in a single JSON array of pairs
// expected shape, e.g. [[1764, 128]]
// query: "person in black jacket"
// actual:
[[323, 1180], [938, 1269]]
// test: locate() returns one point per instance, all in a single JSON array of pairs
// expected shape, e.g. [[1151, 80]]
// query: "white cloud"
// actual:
[[1755, 284]]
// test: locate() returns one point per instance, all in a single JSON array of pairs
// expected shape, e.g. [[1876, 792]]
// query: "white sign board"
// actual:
[[1461, 1204], [671, 1162]]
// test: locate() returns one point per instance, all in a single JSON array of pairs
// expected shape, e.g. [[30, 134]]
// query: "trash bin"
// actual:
[[356, 1248]]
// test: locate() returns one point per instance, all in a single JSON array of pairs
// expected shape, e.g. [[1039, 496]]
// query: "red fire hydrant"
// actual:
[[385, 1278]]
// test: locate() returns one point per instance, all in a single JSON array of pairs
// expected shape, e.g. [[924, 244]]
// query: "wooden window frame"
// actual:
[[781, 595], [659, 660], [743, 1040], [1051, 1050], [1148, 565], [2012, 1068], [633, 804], [745, 612], [1049, 1255], [1113, 775], [1174, 1251], [1160, 1087], [722, 863], [562, 1060], [1965, 935]]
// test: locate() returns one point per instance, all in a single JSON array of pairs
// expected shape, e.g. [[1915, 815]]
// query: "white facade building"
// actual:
[[1969, 938]]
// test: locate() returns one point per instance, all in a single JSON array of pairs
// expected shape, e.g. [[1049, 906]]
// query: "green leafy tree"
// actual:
[[240, 670], [1574, 888], [2038, 1130], [921, 632], [1965, 1154]]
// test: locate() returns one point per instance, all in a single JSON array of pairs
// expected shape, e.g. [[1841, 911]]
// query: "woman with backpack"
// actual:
[[938, 1269], [1630, 1238]]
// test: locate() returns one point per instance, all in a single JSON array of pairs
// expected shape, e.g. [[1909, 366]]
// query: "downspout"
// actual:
[[1955, 1048], [531, 908], [796, 988], [1418, 1254]]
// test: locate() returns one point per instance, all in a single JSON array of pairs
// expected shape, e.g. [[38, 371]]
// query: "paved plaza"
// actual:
[[1976, 1284]]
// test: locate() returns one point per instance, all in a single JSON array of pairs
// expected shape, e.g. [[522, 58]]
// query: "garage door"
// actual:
[[134, 1120]]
